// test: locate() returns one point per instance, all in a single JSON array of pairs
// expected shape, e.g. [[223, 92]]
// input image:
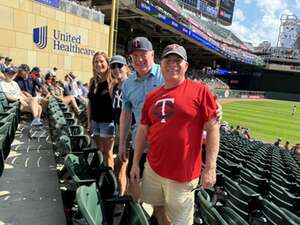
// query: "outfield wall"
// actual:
[[270, 81], [69, 44], [244, 94]]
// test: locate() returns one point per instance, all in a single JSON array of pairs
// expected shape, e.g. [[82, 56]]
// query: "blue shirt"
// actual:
[[135, 89], [29, 85]]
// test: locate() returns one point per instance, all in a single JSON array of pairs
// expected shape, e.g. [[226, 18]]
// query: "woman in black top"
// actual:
[[100, 110], [120, 72]]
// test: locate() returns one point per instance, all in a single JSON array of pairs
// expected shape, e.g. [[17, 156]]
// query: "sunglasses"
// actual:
[[116, 65]]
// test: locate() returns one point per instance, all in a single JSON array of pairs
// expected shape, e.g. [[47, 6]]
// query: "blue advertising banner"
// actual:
[[53, 3]]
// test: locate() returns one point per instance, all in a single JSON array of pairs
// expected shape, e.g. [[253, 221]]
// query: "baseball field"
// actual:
[[266, 119]]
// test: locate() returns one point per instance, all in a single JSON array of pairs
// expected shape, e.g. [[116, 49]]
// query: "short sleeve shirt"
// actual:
[[135, 89], [176, 119], [11, 88]]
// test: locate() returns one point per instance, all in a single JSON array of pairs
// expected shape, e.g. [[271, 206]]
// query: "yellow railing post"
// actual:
[[112, 28]]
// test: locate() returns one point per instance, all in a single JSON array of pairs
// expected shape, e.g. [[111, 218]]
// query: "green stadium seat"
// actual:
[[209, 214], [215, 214], [282, 198], [241, 199], [228, 168], [277, 216], [90, 205], [257, 184], [5, 143], [1, 156], [133, 214]]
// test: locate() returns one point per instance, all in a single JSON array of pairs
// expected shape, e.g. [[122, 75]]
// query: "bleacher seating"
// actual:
[[84, 172], [260, 182], [9, 119]]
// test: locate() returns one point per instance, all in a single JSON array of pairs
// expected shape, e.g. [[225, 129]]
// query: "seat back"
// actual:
[[230, 216], [242, 202], [90, 204], [276, 216], [133, 215], [76, 168], [209, 214], [282, 198], [257, 184]]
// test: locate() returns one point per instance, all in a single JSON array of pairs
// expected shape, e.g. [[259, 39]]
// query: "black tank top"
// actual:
[[101, 103]]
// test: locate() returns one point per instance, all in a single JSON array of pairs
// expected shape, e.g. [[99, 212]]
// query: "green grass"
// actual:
[[267, 119]]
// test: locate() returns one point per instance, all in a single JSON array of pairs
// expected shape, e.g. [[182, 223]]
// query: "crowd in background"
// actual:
[[245, 133], [211, 81], [33, 89]]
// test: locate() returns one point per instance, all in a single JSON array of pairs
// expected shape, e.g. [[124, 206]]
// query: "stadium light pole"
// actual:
[[112, 28]]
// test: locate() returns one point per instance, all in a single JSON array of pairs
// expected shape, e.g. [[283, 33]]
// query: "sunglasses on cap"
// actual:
[[116, 65]]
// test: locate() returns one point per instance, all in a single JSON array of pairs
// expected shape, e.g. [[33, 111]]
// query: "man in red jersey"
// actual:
[[173, 119]]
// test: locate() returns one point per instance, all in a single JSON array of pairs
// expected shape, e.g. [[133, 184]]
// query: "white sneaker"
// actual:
[[36, 122]]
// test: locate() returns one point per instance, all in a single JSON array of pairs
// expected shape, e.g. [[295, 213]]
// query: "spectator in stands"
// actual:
[[54, 71], [237, 130], [178, 105], [297, 149], [26, 83], [55, 89], [2, 65], [246, 133], [84, 89], [100, 110], [13, 92], [286, 145], [297, 146], [36, 78], [75, 87], [7, 61], [277, 142]]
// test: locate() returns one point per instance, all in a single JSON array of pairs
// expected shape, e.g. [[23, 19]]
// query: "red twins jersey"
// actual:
[[176, 118]]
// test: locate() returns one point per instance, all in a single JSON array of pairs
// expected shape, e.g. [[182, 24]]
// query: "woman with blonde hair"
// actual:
[[100, 111]]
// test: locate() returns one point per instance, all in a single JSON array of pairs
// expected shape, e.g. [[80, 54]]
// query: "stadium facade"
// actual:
[[46, 34]]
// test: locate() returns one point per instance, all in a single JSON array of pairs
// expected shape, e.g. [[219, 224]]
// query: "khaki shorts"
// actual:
[[177, 197]]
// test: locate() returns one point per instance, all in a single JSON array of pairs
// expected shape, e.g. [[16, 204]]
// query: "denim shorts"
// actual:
[[103, 129]]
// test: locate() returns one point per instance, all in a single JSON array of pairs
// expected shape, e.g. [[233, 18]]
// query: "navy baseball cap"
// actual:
[[36, 69], [139, 43], [118, 59], [24, 67], [10, 70], [174, 49]]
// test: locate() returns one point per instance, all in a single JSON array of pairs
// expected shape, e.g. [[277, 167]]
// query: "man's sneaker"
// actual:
[[36, 122]]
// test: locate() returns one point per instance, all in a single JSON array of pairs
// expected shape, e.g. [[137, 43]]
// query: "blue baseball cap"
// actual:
[[10, 70], [118, 59]]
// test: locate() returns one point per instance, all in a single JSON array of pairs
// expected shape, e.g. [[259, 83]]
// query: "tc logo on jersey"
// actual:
[[164, 109], [40, 35]]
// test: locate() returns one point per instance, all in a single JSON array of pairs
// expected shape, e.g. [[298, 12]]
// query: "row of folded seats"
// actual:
[[9, 119], [89, 188], [258, 182]]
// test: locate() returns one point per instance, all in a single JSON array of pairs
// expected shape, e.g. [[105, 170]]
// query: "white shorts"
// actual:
[[177, 197]]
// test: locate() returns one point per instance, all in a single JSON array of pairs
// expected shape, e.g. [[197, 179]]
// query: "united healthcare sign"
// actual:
[[53, 3], [62, 41]]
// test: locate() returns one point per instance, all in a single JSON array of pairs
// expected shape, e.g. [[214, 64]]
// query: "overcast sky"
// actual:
[[259, 20]]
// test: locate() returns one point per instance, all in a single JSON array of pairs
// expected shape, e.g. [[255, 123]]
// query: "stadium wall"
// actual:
[[69, 44], [270, 81]]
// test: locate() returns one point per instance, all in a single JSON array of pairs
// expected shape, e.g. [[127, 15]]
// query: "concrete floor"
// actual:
[[29, 190]]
